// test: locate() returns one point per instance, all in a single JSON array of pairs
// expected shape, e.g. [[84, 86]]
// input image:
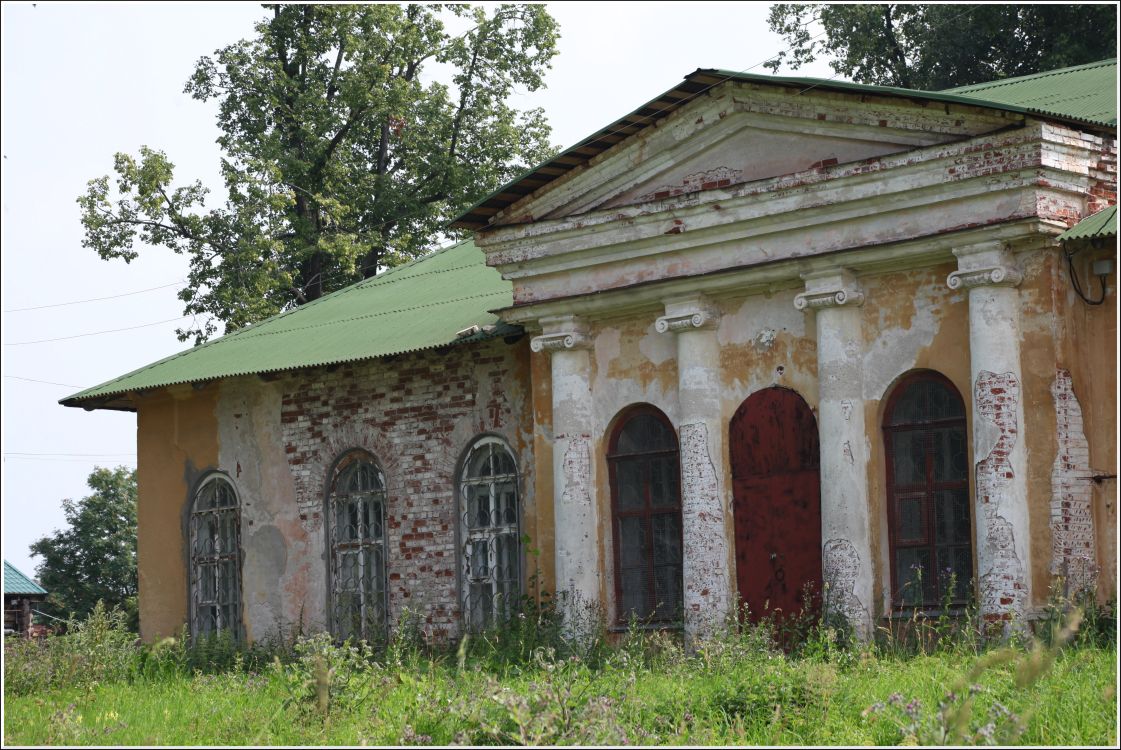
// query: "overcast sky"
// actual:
[[83, 81]]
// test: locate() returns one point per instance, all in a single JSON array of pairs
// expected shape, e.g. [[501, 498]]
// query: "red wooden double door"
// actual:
[[776, 494]]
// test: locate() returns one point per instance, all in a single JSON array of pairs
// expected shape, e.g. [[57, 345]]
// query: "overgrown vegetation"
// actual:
[[527, 683]]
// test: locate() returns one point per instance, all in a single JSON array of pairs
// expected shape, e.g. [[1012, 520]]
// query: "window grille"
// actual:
[[646, 517], [359, 606], [215, 537], [490, 518], [929, 524]]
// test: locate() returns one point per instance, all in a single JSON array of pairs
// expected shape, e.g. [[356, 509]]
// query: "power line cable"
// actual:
[[85, 455], [96, 333], [120, 460], [44, 382], [95, 299]]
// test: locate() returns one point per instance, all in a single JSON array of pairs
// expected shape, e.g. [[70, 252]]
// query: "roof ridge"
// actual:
[[1031, 76]]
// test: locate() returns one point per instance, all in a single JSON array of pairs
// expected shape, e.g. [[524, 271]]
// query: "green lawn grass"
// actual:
[[728, 697]]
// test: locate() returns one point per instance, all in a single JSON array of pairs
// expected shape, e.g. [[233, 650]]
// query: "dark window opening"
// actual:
[[646, 518], [215, 538], [356, 538], [929, 525], [489, 523]]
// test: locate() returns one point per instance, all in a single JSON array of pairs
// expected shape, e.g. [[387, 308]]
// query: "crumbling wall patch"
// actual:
[[1003, 594], [1072, 521]]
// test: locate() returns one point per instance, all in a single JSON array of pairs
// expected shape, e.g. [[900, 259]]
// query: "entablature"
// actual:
[[649, 297]]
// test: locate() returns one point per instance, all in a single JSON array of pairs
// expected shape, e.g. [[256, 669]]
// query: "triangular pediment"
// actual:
[[733, 138]]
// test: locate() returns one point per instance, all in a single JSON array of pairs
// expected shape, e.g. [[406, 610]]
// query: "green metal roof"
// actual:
[[1083, 95], [17, 583], [417, 306], [1085, 92], [1099, 225]]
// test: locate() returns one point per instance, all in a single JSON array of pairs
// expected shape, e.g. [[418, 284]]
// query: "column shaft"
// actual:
[[707, 590], [845, 524], [576, 535], [999, 453]]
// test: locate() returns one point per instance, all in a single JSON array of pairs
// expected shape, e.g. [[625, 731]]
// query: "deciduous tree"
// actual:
[[340, 156], [94, 557], [933, 47]]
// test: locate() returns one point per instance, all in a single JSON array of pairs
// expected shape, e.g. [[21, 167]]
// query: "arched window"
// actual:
[[359, 606], [489, 518], [646, 517], [929, 525], [215, 530]]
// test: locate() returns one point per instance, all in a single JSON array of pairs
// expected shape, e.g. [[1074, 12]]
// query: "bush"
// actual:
[[99, 649]]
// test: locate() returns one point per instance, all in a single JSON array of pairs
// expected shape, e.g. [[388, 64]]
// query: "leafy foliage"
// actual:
[[94, 558], [98, 648], [340, 158], [933, 47], [98, 685]]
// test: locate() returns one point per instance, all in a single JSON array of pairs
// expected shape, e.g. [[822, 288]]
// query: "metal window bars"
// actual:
[[356, 525], [215, 570], [490, 518]]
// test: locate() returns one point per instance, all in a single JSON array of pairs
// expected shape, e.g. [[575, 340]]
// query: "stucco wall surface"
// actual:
[[176, 446]]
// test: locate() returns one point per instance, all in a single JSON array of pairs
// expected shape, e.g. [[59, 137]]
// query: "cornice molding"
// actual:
[[767, 278]]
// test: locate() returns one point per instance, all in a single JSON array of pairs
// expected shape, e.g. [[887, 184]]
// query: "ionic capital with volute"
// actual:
[[984, 264], [834, 288], [561, 333], [688, 314]]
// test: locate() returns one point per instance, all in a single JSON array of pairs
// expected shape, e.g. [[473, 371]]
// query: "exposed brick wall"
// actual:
[[1103, 174], [1002, 588], [1078, 151], [416, 414], [1072, 521]]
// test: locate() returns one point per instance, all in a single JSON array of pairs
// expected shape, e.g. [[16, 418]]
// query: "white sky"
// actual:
[[84, 81]]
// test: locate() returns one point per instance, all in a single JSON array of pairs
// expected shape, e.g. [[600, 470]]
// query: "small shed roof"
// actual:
[[16, 582]]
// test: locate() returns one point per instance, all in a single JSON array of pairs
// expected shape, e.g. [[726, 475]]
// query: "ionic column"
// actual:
[[574, 508], [705, 544], [846, 554], [988, 271]]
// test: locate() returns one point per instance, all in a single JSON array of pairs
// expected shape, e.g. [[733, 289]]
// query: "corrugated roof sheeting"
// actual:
[[1084, 94], [1100, 225], [421, 305], [16, 582]]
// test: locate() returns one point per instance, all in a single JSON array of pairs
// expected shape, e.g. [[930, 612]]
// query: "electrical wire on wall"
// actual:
[[1078, 285]]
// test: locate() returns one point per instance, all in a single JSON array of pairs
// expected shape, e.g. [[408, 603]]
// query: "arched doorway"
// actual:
[[776, 491]]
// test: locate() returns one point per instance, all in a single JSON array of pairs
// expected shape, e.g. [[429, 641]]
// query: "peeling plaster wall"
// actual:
[[282, 564], [542, 561], [1088, 351], [631, 363], [176, 445], [1072, 522], [912, 321]]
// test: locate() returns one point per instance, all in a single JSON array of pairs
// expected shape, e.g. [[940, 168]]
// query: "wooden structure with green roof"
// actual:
[[20, 593]]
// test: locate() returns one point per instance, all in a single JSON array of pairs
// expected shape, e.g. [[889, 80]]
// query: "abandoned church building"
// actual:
[[762, 335]]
